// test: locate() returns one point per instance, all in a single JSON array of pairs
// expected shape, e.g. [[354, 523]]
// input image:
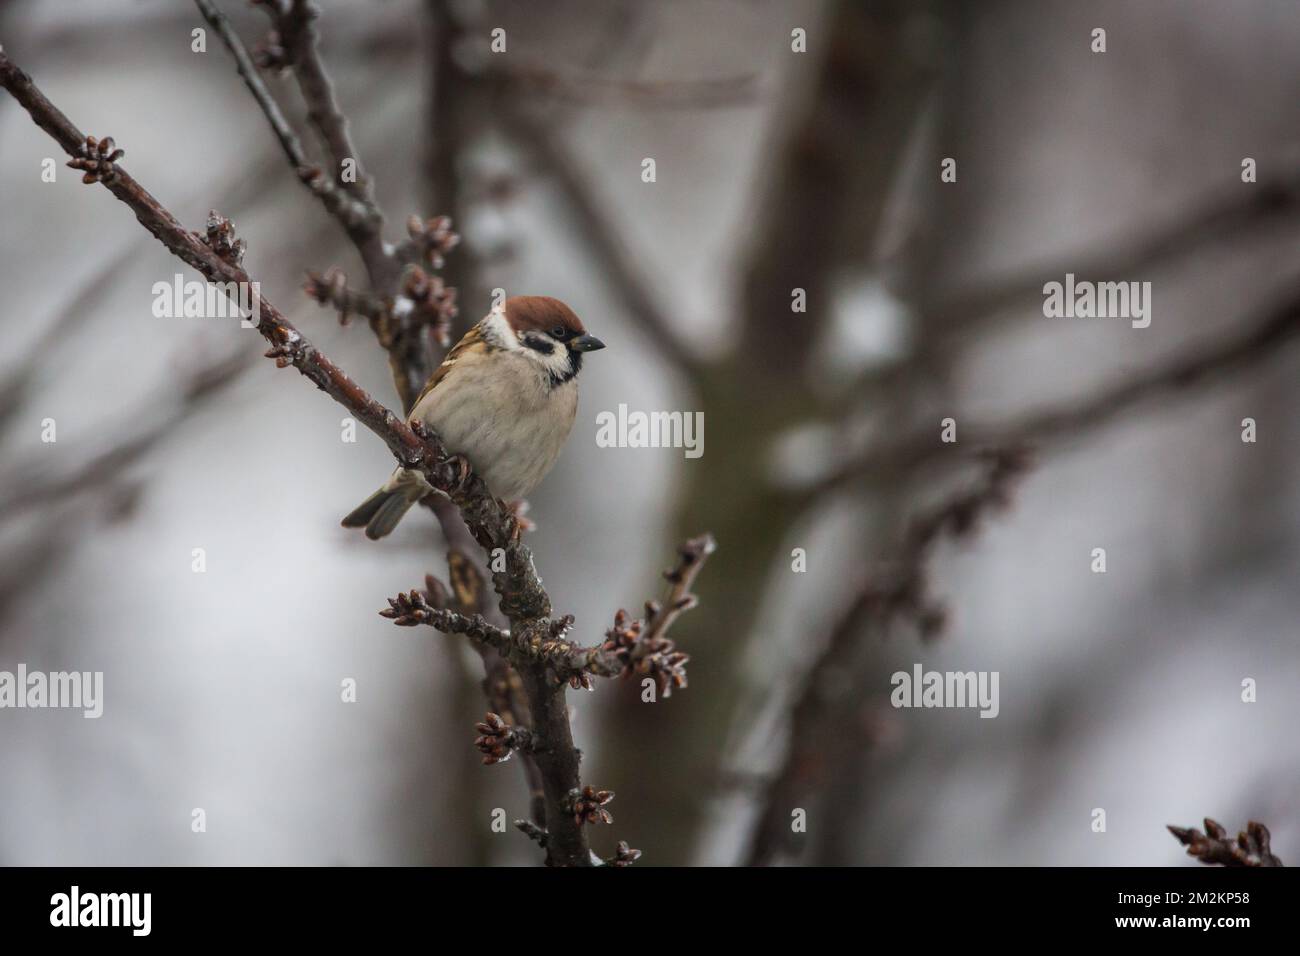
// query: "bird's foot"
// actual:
[[455, 471], [519, 511], [423, 431]]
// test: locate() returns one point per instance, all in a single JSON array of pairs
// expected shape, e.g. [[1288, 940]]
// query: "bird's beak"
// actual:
[[586, 343]]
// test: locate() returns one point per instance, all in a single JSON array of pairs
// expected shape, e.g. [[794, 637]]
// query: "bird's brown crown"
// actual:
[[541, 313]]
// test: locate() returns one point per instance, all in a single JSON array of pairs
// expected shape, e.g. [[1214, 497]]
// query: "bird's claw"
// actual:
[[518, 510], [457, 470]]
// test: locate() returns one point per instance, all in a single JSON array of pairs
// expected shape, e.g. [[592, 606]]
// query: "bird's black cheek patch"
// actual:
[[538, 343]]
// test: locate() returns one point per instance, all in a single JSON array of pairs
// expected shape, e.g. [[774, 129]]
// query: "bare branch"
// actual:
[[403, 332], [31, 483], [408, 610], [400, 312], [288, 139], [489, 523], [603, 238], [469, 595], [1266, 334], [897, 588], [217, 256], [331, 290], [690, 561], [1215, 219], [349, 200], [294, 22], [1214, 846], [356, 216], [632, 648]]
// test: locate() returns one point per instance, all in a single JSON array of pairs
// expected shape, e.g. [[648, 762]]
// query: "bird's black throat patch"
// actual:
[[575, 365]]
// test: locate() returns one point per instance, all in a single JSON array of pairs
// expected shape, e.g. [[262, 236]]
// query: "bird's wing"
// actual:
[[470, 340]]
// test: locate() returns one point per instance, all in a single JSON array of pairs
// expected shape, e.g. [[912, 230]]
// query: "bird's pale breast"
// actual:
[[503, 417]]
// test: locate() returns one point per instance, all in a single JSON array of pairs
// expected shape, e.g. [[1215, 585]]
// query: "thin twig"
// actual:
[[896, 588], [288, 139], [468, 594], [603, 239], [403, 331], [357, 217], [31, 483], [1274, 327], [401, 308], [1214, 846], [1214, 219], [523, 599], [295, 22], [632, 648], [491, 524]]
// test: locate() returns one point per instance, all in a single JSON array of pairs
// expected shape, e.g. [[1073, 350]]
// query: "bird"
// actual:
[[504, 399]]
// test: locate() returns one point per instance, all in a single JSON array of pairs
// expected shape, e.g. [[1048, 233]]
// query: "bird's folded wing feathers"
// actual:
[[458, 351]]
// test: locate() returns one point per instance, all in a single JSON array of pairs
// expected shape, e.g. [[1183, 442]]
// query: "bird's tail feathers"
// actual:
[[380, 513]]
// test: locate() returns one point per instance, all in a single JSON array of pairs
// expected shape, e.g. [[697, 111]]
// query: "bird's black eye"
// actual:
[[559, 332]]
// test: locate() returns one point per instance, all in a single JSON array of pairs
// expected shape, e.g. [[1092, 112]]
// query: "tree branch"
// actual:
[[1276, 325], [357, 217], [603, 239], [1211, 220], [400, 313], [350, 202], [1215, 847], [294, 22], [602, 236], [898, 587], [150, 424], [632, 648], [491, 522], [523, 598]]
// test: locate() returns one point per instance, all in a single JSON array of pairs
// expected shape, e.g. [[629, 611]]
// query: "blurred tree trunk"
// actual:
[[833, 167]]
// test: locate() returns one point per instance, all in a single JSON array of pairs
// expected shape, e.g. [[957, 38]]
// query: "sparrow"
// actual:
[[504, 399]]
